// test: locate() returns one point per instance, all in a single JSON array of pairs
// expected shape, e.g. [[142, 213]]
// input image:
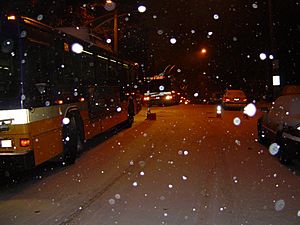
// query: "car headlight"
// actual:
[[295, 131]]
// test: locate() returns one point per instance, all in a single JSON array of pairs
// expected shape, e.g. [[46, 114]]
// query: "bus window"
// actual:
[[87, 62], [8, 76], [96, 100], [38, 67], [112, 71], [101, 67]]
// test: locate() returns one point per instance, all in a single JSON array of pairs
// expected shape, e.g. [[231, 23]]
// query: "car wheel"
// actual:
[[283, 155]]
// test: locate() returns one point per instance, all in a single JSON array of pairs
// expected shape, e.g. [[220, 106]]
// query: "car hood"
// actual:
[[293, 120]]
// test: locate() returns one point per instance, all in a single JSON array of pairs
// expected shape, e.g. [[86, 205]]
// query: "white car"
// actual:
[[234, 99], [281, 125]]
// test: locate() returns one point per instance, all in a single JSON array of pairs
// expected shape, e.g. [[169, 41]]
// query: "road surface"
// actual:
[[186, 167]]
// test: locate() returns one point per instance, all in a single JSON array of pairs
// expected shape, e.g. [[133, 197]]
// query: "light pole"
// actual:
[[113, 15], [116, 36]]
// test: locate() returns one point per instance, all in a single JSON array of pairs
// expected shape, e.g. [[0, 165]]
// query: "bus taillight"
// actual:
[[24, 142], [12, 17]]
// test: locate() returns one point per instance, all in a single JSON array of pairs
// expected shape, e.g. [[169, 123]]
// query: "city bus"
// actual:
[[53, 97], [161, 90]]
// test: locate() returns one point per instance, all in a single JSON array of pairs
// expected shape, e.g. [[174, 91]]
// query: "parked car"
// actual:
[[234, 99], [290, 141], [281, 125]]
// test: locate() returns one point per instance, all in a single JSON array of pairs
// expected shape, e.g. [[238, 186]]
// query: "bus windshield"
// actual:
[[159, 85]]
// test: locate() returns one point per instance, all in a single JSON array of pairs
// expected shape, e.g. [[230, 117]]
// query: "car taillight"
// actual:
[[146, 98], [244, 100], [227, 99]]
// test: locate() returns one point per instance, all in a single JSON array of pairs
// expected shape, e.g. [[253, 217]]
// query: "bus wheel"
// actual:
[[71, 140]]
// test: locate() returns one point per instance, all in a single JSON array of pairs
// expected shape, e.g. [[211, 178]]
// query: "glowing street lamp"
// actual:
[[202, 53]]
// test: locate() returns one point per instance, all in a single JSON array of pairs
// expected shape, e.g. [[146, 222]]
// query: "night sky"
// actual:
[[240, 31], [234, 33]]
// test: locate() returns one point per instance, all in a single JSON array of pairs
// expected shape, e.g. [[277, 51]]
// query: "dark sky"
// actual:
[[234, 32], [240, 32]]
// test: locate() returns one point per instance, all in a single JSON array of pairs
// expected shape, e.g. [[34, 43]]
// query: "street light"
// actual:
[[203, 51]]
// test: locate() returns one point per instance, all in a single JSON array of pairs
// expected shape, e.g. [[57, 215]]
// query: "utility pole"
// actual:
[[116, 33]]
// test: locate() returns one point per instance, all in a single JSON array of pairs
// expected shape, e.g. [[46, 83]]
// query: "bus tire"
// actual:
[[80, 133], [70, 141]]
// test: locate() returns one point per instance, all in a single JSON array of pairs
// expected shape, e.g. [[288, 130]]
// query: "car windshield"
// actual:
[[236, 93], [149, 112]]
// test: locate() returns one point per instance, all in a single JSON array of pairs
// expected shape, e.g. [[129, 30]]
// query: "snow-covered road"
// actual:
[[185, 167]]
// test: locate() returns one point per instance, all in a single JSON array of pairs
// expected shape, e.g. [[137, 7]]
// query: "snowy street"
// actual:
[[186, 167]]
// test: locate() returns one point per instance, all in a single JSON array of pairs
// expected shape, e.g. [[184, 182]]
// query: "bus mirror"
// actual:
[[41, 87]]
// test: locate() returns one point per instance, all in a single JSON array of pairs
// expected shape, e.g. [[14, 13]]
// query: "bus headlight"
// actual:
[[169, 97]]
